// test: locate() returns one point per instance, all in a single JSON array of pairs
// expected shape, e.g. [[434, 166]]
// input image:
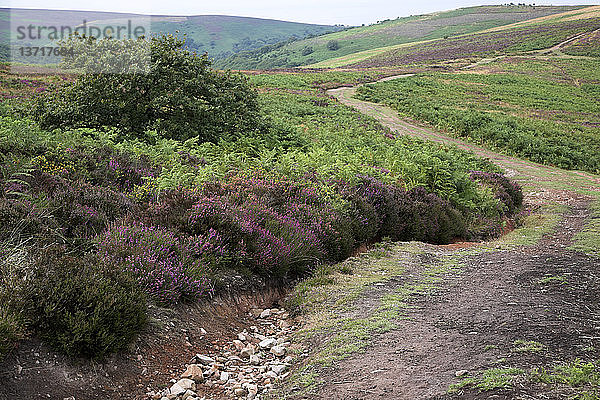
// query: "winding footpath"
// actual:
[[503, 294]]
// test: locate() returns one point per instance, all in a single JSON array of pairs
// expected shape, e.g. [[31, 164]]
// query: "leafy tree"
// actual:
[[173, 91], [333, 45]]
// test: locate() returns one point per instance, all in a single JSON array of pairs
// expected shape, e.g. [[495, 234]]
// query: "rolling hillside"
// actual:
[[577, 29], [219, 35], [390, 32]]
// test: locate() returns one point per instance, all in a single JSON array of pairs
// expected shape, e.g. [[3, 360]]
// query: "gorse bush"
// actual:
[[179, 96]]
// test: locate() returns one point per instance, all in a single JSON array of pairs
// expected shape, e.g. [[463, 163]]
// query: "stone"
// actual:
[[239, 392], [176, 389], [224, 377], [247, 351], [188, 394], [265, 314], [204, 360], [194, 372], [271, 374], [187, 384], [279, 351], [254, 359], [267, 343], [252, 391], [242, 337], [461, 372], [278, 369], [238, 344]]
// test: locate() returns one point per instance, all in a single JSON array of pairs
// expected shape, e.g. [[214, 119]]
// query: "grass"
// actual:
[[527, 346], [550, 279], [538, 117], [588, 239], [576, 379], [491, 379]]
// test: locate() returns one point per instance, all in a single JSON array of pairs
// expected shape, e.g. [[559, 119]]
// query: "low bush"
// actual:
[[78, 305], [10, 332], [508, 193], [168, 268]]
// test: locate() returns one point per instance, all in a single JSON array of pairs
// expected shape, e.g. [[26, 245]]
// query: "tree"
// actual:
[[177, 94], [333, 45]]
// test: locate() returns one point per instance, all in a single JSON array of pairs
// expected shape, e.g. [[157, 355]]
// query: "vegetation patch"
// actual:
[[490, 379], [503, 112]]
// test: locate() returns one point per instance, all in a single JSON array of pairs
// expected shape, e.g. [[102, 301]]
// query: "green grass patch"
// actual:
[[588, 240], [491, 379]]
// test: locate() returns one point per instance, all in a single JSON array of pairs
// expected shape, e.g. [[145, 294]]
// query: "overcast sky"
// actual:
[[347, 12]]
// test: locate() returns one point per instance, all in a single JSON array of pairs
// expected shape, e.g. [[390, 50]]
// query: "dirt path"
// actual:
[[539, 291]]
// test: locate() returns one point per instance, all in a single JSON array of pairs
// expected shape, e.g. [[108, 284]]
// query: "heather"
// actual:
[[390, 32], [101, 218], [511, 41]]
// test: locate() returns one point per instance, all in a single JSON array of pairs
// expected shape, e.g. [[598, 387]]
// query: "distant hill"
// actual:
[[219, 35], [577, 30], [387, 33]]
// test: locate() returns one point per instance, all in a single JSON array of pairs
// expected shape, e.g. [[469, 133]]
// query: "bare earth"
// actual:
[[473, 322]]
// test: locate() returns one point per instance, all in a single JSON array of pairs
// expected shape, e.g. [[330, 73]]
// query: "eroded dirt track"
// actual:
[[502, 295]]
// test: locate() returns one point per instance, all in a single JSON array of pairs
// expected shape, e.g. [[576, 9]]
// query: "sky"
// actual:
[[345, 12]]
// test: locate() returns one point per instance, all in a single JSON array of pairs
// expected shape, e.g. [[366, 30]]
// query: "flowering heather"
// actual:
[[509, 193], [167, 267], [526, 38]]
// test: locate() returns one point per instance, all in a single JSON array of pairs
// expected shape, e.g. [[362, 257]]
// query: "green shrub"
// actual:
[[179, 97], [76, 304], [333, 45], [10, 332]]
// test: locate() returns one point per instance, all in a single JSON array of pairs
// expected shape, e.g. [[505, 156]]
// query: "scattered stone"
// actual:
[[188, 394], [279, 350], [238, 345], [252, 391], [224, 376], [244, 368], [271, 374], [176, 389], [255, 359], [194, 372], [267, 343], [247, 351], [278, 369], [205, 360]]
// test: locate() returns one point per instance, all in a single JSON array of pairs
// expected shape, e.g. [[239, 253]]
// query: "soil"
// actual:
[[173, 337], [498, 298], [495, 301]]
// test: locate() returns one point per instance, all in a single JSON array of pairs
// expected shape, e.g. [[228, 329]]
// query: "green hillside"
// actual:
[[386, 33], [222, 35], [219, 35], [577, 30]]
